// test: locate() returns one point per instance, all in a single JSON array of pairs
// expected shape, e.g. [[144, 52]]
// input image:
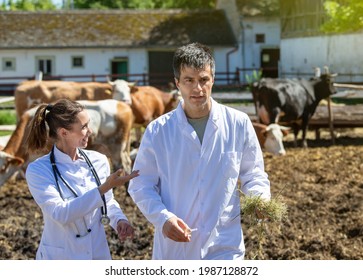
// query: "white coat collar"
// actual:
[[213, 115], [61, 157]]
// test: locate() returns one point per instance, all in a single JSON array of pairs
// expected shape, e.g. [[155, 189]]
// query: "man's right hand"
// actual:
[[177, 230]]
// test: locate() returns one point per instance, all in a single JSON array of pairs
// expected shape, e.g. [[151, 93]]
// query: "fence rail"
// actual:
[[224, 81], [236, 81]]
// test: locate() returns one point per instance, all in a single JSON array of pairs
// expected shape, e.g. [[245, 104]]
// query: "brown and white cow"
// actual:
[[31, 93], [111, 122], [270, 137], [148, 103]]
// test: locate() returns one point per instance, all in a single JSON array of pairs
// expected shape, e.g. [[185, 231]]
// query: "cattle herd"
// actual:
[[322, 186], [117, 107], [114, 107], [291, 102]]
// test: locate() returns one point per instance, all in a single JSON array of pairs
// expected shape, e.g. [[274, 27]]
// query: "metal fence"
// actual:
[[236, 81], [223, 80]]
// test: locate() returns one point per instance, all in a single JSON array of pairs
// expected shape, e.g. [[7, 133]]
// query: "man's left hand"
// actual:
[[124, 230]]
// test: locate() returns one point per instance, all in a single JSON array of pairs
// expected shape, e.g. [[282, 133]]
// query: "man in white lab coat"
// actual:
[[190, 161]]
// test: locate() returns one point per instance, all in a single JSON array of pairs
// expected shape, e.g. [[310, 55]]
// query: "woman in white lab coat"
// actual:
[[190, 161], [72, 186]]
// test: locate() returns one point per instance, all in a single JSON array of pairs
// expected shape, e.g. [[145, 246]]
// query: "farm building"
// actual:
[[258, 34], [118, 42], [133, 44], [304, 45]]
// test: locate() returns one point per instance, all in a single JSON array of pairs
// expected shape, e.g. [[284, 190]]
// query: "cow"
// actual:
[[30, 93], [111, 123], [291, 102], [148, 103], [270, 137]]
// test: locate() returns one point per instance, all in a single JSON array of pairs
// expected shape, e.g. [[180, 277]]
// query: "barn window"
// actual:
[[77, 61], [8, 64], [265, 58], [260, 38]]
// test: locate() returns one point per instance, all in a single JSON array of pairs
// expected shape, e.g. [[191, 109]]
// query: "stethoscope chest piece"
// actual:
[[105, 220]]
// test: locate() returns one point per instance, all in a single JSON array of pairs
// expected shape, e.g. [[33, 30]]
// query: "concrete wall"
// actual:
[[249, 49], [96, 61], [342, 53]]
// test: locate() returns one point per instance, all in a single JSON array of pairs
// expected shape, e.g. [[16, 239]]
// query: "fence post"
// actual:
[[331, 119]]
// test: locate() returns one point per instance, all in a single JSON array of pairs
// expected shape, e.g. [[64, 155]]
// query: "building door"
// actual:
[[45, 65], [270, 62], [119, 68], [161, 69]]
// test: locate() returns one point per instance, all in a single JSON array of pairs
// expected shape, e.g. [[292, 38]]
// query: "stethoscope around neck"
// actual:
[[105, 220]]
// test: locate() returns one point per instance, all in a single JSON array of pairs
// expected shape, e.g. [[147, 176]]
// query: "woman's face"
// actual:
[[78, 135]]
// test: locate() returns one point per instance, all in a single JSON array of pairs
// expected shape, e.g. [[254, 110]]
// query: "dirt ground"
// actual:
[[322, 187]]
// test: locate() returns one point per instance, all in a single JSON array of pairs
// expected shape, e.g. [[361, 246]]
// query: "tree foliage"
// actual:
[[265, 7], [261, 7], [143, 4], [343, 16], [27, 5]]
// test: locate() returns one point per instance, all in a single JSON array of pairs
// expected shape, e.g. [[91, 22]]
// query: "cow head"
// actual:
[[324, 86], [274, 134], [9, 164], [176, 98], [121, 90]]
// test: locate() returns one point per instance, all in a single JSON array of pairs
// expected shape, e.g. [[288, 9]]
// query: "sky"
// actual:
[[57, 2]]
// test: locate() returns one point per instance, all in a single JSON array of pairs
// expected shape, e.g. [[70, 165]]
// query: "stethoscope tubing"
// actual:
[[90, 165]]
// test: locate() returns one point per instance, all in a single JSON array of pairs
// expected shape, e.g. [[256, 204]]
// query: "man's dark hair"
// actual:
[[194, 55]]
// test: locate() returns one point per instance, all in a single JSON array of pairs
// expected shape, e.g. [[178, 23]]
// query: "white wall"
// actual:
[[342, 53], [250, 50], [227, 60], [96, 61], [253, 26]]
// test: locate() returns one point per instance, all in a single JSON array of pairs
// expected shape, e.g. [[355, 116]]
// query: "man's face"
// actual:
[[195, 86]]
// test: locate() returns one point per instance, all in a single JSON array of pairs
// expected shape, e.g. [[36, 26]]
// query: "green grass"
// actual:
[[262, 217], [7, 117], [347, 101], [5, 132], [7, 103]]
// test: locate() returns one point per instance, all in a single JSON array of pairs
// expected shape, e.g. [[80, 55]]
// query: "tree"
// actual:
[[143, 4], [262, 7], [27, 5], [343, 16]]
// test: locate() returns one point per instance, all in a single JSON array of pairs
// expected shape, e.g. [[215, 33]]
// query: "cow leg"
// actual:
[[304, 143], [304, 127], [296, 129], [138, 134], [125, 157], [275, 115]]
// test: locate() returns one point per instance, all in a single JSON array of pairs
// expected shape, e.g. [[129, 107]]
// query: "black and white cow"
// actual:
[[291, 102]]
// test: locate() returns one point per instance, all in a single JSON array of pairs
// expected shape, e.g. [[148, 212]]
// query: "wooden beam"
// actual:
[[348, 86]]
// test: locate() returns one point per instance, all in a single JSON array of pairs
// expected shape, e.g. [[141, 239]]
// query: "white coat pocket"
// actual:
[[47, 252], [231, 164]]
